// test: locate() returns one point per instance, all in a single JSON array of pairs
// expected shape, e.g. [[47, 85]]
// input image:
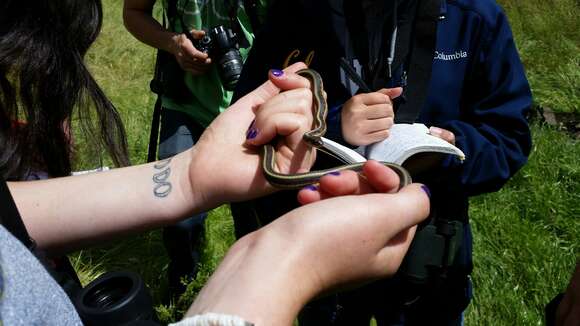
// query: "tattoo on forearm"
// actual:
[[162, 186]]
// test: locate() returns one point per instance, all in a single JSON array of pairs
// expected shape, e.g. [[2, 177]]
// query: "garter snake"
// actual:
[[314, 138]]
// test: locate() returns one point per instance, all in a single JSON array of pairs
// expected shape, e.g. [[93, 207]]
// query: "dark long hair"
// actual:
[[43, 80]]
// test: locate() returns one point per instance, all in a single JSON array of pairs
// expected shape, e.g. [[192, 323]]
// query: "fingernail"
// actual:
[[252, 124], [435, 130], [334, 173], [252, 133], [277, 72], [311, 187], [426, 190]]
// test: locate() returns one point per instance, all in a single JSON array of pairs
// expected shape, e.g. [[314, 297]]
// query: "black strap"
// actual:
[[421, 61], [156, 86], [10, 218], [251, 9], [154, 135]]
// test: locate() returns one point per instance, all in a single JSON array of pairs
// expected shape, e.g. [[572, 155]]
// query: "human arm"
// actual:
[[301, 252], [65, 213], [138, 19]]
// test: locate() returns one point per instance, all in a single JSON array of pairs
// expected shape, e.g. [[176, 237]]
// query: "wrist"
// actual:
[[261, 279], [173, 43]]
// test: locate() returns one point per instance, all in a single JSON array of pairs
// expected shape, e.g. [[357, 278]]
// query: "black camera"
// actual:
[[221, 44]]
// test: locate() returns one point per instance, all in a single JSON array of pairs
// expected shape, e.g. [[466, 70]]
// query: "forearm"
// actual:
[[139, 21], [66, 213], [262, 279]]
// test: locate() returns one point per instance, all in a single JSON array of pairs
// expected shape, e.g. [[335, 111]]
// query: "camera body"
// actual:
[[222, 45]]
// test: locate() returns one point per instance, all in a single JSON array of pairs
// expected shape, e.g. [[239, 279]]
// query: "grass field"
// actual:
[[526, 237]]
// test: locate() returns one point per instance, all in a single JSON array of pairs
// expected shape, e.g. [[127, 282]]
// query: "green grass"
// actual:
[[548, 38], [526, 237]]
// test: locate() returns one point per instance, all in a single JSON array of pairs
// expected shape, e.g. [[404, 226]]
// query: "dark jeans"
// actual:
[[182, 241]]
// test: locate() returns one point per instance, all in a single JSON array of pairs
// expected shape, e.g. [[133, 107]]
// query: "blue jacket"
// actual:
[[478, 89]]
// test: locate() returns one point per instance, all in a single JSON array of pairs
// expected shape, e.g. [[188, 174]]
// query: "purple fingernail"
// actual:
[[277, 72], [252, 124], [334, 173], [426, 190], [311, 187], [252, 133]]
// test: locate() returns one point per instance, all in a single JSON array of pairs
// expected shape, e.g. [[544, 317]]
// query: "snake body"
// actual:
[[313, 137]]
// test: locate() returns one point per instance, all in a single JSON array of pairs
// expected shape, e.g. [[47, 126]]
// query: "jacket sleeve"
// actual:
[[492, 129]]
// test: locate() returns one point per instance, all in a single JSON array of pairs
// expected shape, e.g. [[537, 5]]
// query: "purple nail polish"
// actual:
[[277, 72], [252, 124], [334, 173], [426, 190], [252, 133], [311, 187]]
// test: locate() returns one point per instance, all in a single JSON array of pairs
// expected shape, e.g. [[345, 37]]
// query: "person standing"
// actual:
[[194, 93], [477, 97]]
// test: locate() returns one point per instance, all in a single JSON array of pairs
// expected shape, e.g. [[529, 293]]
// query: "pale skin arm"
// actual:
[[317, 248], [67, 213], [138, 19]]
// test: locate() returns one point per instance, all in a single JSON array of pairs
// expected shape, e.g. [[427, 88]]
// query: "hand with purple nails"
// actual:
[[358, 236], [225, 162]]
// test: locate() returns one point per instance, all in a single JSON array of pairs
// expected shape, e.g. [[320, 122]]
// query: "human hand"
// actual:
[[568, 312], [190, 58], [225, 164], [444, 134], [317, 247], [366, 118]]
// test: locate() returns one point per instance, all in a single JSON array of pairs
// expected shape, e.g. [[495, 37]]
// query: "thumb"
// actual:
[[197, 34], [392, 92]]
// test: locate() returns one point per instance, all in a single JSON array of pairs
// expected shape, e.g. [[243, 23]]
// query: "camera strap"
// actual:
[[420, 63]]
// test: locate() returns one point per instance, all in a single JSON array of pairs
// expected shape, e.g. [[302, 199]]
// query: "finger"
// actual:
[[342, 183], [287, 112], [269, 89], [297, 100], [309, 194], [373, 98], [380, 177], [375, 137], [335, 184], [371, 126], [191, 52], [392, 92], [444, 134], [283, 124], [378, 111], [287, 80], [197, 34]]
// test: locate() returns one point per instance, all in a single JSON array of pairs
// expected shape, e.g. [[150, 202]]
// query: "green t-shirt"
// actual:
[[209, 98]]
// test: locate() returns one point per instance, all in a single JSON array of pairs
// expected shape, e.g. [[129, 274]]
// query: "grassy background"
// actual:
[[526, 237]]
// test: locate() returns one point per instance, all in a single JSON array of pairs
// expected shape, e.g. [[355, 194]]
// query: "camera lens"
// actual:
[[115, 298], [230, 68], [108, 293]]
